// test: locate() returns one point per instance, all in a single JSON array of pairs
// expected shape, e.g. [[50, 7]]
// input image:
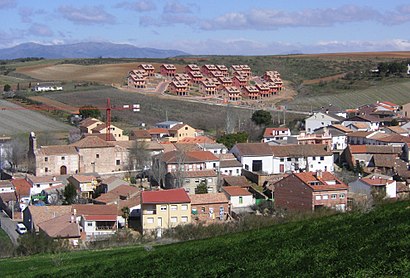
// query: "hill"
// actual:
[[360, 245], [85, 50]]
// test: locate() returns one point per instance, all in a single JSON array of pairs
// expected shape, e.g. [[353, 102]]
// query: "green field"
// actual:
[[397, 93], [359, 245]]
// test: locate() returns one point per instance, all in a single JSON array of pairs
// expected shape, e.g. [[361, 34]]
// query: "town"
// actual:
[[152, 179]]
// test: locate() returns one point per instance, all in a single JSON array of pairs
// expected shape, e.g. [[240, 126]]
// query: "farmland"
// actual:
[[15, 119], [374, 244]]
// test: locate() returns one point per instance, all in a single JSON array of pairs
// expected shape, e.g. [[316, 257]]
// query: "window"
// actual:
[[314, 158], [256, 165], [186, 180], [174, 207], [342, 196], [46, 169], [174, 219], [184, 207], [322, 158], [214, 165], [289, 159], [186, 128], [63, 158], [325, 197], [210, 180], [282, 160], [333, 196], [117, 162], [203, 209], [237, 171], [240, 200], [46, 159], [184, 219], [318, 197], [150, 220], [89, 224], [38, 185], [97, 155], [163, 208]]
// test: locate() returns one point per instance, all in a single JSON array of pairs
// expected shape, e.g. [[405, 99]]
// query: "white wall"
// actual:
[[246, 201], [236, 171], [267, 163]]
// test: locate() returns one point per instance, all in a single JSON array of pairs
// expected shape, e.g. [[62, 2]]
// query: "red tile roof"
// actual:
[[95, 209], [269, 130], [236, 191], [209, 198], [91, 142], [327, 181], [376, 181], [100, 217], [22, 187], [165, 196]]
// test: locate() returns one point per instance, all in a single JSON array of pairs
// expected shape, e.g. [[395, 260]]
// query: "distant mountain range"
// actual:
[[85, 50]]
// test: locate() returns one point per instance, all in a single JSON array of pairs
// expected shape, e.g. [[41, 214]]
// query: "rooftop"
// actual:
[[165, 196], [236, 191]]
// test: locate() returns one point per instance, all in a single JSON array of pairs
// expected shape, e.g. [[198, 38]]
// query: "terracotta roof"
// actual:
[[197, 140], [209, 198], [362, 134], [99, 127], [165, 196], [384, 160], [395, 138], [101, 217], [107, 198], [141, 133], [44, 179], [342, 128], [125, 190], [325, 181], [177, 127], [188, 157], [8, 196], [91, 142], [95, 209], [300, 150], [41, 214], [88, 122], [254, 149], [269, 131], [397, 129], [229, 163], [153, 131], [376, 182], [374, 149], [187, 147], [236, 181], [57, 150], [168, 147], [236, 191], [83, 178], [61, 227], [102, 136], [22, 187], [226, 156], [198, 174]]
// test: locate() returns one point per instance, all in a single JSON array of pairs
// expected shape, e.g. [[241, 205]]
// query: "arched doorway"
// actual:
[[63, 170]]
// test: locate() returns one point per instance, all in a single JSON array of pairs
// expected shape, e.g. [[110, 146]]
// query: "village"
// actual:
[[153, 179]]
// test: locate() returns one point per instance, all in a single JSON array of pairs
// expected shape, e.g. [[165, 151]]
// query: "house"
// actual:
[[38, 184], [6, 186], [223, 69], [149, 69], [297, 158], [396, 130], [180, 131], [46, 87], [310, 191], [320, 119], [168, 70], [275, 134], [215, 148], [167, 124], [207, 87], [264, 90], [178, 88], [244, 70], [373, 185], [140, 135], [270, 76], [191, 179], [164, 209], [117, 132], [62, 227], [196, 76], [230, 167], [54, 195], [97, 221], [339, 135], [191, 67], [34, 215], [239, 81], [224, 82], [110, 183], [136, 80], [371, 122], [183, 78], [23, 192], [315, 138], [250, 92], [240, 198], [87, 125], [209, 207], [241, 181], [158, 133], [207, 69], [233, 93], [85, 185], [255, 157]]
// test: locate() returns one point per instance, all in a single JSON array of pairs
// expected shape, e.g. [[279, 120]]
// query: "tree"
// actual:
[[202, 188], [229, 140], [70, 193], [262, 117], [6, 88], [139, 157], [394, 122], [89, 111], [126, 214]]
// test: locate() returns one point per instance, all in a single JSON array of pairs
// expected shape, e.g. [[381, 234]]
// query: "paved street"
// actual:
[[9, 226]]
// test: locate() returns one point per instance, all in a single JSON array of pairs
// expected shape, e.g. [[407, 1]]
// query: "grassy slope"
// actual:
[[369, 245]]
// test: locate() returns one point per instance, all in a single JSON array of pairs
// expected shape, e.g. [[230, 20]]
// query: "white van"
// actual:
[[21, 229]]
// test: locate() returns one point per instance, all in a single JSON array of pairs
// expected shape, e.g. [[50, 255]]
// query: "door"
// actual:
[[159, 229], [281, 168], [63, 170]]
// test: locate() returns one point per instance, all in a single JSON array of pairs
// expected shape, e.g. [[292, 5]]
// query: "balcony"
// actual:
[[149, 212]]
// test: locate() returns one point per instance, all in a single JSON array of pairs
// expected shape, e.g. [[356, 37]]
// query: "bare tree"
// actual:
[[139, 157], [18, 154], [74, 135]]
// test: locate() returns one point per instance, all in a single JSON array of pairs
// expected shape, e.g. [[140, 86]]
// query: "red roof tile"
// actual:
[[327, 181], [22, 187], [236, 191], [165, 196], [209, 198]]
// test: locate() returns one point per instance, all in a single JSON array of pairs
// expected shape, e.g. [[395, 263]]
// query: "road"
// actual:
[[9, 226]]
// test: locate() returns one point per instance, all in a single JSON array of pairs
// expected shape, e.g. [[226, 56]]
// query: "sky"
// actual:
[[224, 27]]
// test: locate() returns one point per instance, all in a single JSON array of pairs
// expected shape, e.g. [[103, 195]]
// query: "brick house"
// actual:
[[136, 80], [168, 70], [191, 67], [209, 207], [223, 69], [250, 92], [191, 180], [178, 88], [309, 191], [196, 76], [239, 81], [148, 68], [315, 138], [207, 87], [232, 93], [207, 69], [374, 184], [225, 82], [164, 209], [264, 90]]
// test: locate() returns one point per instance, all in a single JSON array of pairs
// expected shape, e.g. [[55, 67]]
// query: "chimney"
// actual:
[[72, 220], [319, 174]]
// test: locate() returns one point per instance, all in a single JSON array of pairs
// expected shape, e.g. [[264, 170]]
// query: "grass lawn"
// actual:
[[359, 245]]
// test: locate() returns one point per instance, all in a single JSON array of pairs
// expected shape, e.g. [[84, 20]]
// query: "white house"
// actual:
[[239, 197], [338, 134], [39, 184], [167, 124], [276, 134], [295, 158], [360, 122], [374, 183], [255, 157], [321, 119], [6, 187], [47, 87], [230, 167], [215, 148]]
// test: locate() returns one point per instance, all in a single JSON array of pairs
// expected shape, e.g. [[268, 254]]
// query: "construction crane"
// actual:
[[108, 108]]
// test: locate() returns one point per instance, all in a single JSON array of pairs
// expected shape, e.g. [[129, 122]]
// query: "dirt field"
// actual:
[[56, 104], [15, 119], [105, 74]]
